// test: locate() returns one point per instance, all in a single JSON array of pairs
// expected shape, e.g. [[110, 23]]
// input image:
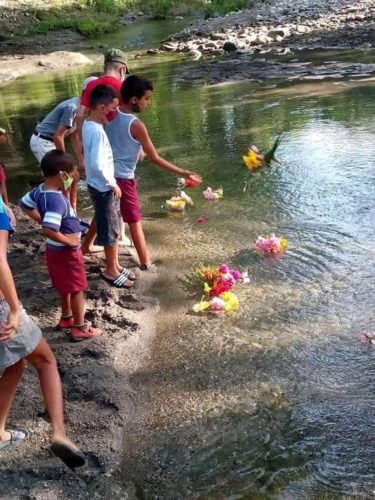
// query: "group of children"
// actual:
[[110, 143]]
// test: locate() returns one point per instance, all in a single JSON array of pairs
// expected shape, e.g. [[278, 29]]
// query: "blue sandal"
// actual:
[[16, 437]]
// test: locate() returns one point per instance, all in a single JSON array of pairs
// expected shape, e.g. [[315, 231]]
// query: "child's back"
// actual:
[[126, 149]]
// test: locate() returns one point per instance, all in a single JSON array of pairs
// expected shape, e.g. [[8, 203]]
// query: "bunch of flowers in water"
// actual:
[[179, 202], [254, 159], [271, 244], [365, 337], [183, 183], [213, 194], [218, 283]]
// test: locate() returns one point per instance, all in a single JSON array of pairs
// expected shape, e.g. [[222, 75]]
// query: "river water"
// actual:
[[278, 400]]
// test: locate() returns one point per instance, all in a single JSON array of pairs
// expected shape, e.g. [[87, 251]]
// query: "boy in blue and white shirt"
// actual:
[[48, 206]]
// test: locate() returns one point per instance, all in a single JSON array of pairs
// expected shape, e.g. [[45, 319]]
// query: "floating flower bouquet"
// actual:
[[271, 244], [256, 159], [366, 337], [178, 203], [183, 183], [213, 194], [218, 283]]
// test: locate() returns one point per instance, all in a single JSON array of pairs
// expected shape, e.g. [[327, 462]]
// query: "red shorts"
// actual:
[[66, 269], [129, 204]]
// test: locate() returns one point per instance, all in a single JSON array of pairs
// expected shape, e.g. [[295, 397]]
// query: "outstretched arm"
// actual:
[[139, 132], [59, 137], [8, 291]]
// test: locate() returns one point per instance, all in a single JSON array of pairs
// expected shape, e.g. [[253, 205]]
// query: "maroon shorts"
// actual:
[[129, 204], [66, 269]]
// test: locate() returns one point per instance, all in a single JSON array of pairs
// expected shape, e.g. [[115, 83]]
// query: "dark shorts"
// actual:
[[107, 216], [5, 224], [66, 269], [129, 203]]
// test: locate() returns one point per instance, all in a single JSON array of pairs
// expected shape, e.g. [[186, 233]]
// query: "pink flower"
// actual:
[[236, 274], [217, 304], [224, 269]]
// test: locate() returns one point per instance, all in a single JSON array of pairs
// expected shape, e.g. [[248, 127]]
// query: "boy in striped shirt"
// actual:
[[48, 206]]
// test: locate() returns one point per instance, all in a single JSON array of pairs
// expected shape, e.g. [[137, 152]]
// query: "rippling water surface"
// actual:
[[277, 401]]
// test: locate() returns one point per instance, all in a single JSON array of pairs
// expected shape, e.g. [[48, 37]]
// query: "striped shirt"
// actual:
[[55, 211]]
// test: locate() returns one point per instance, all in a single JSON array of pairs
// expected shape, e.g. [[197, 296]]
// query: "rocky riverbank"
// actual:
[[98, 395], [283, 24]]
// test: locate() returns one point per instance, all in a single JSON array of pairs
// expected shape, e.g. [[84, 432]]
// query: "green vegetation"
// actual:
[[96, 17]]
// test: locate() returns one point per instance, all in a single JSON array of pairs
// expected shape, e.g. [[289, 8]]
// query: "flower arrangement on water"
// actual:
[[179, 202], [213, 194], [271, 244], [183, 183], [366, 337], [255, 158], [218, 283]]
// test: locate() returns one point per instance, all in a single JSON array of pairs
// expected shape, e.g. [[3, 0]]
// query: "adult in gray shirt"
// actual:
[[51, 132]]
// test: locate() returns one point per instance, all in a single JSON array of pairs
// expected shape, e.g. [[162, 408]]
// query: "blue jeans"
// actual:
[[107, 216]]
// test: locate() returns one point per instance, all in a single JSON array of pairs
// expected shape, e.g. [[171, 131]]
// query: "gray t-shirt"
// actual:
[[63, 114]]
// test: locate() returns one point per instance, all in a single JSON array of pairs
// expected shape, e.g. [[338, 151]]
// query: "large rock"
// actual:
[[282, 31], [62, 59]]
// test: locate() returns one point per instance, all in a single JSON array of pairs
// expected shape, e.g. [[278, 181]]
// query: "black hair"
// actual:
[[135, 86], [102, 94], [56, 161]]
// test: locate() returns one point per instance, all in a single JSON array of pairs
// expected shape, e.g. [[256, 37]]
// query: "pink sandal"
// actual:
[[84, 332]]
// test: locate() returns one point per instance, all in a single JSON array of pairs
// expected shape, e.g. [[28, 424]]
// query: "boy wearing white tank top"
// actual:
[[128, 137]]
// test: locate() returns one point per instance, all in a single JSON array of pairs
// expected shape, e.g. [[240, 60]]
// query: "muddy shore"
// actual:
[[95, 376]]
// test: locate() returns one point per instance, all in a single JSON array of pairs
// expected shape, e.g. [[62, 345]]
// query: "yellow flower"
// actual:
[[206, 288], [231, 300], [203, 305], [177, 205], [251, 160], [283, 243]]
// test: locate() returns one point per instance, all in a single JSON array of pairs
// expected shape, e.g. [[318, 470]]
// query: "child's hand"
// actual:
[[9, 329], [73, 239], [194, 176], [117, 192]]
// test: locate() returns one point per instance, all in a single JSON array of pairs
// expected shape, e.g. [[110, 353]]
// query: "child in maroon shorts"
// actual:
[[129, 141], [47, 205]]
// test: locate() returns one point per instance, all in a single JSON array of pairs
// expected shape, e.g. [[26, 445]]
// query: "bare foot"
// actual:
[[68, 452], [92, 249]]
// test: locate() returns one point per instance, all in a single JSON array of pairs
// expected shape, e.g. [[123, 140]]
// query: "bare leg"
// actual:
[[66, 310], [111, 257], [73, 191], [78, 308], [8, 386], [139, 240], [88, 243], [44, 362]]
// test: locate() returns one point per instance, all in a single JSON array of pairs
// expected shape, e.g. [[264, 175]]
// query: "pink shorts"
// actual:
[[66, 269], [129, 204]]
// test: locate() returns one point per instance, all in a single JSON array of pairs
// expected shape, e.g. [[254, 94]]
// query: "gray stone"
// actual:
[[230, 47], [282, 31], [302, 28]]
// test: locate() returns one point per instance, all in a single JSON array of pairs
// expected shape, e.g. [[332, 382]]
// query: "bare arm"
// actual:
[[59, 137], [71, 240], [80, 116], [8, 290], [33, 214], [139, 132], [4, 193], [77, 147]]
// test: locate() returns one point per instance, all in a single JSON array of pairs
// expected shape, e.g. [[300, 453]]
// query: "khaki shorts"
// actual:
[[40, 147]]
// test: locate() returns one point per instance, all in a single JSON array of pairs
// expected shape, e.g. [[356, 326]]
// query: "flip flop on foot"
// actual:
[[68, 453], [84, 332], [121, 281], [128, 274], [16, 437]]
